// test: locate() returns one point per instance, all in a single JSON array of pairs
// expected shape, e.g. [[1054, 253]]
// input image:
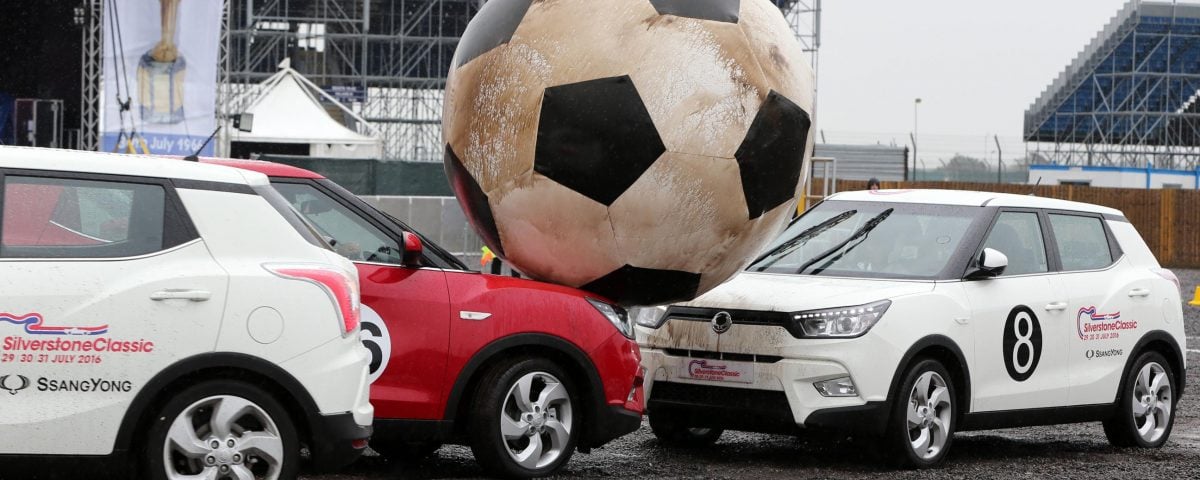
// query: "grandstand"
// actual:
[[1131, 98]]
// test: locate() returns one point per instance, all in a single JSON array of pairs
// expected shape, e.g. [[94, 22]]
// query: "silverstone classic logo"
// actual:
[[1101, 326], [89, 342], [34, 325]]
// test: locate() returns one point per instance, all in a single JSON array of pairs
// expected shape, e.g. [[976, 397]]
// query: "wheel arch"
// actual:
[[945, 350], [567, 355], [1165, 344], [217, 366]]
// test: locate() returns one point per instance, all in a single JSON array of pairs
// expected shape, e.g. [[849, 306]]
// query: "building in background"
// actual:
[[1125, 112]]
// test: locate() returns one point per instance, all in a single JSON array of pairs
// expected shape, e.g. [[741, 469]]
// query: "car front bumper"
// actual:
[[778, 398]]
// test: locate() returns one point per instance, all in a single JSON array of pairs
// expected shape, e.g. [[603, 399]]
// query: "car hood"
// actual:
[[792, 293]]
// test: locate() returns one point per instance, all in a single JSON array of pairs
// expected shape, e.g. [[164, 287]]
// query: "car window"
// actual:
[[352, 236], [870, 239], [68, 218], [1082, 243], [1018, 235]]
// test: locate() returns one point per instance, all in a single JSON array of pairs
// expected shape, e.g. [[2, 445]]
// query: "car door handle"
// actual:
[[1140, 292], [181, 294], [1056, 306]]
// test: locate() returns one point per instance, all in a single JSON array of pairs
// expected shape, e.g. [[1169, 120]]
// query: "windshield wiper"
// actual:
[[863, 230], [799, 240]]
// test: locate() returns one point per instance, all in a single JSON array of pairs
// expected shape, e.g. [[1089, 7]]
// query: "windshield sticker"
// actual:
[[1101, 326]]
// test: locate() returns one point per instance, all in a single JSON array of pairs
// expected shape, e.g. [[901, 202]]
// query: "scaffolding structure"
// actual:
[[385, 59], [1130, 99], [88, 17]]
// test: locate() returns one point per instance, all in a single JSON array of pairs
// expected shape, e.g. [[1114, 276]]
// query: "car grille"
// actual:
[[733, 357], [722, 407], [740, 317]]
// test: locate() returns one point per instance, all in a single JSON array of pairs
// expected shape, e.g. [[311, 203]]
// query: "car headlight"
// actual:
[[615, 314], [840, 322], [649, 317]]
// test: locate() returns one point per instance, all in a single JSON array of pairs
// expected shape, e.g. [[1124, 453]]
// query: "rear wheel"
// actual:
[[227, 430], [672, 433], [921, 426], [526, 419], [1146, 409]]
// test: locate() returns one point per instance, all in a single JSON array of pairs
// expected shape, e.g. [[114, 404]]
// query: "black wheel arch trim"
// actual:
[[1140, 347], [138, 409], [941, 341], [500, 346]]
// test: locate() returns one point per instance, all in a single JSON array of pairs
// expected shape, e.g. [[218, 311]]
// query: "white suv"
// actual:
[[909, 315], [168, 313]]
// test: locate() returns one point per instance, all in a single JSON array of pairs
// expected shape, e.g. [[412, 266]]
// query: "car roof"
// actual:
[[54, 159], [971, 198], [267, 168]]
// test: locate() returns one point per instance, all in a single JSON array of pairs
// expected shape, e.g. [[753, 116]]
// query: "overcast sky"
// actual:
[[976, 65]]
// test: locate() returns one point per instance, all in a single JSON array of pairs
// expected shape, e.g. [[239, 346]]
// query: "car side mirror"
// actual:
[[991, 263], [412, 250]]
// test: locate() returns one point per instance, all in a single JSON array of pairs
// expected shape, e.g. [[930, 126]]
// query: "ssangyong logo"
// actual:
[[722, 322], [1101, 326], [12, 386]]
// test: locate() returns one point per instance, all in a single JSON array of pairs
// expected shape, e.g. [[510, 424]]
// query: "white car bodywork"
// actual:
[[962, 321], [208, 297]]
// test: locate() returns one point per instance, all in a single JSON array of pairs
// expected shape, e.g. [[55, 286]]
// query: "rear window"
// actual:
[[71, 218]]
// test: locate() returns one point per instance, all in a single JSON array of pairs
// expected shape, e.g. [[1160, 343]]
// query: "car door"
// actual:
[[405, 311], [105, 283], [1020, 323], [1107, 298]]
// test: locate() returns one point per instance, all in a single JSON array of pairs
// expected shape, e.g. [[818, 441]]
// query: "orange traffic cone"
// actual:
[[1195, 298]]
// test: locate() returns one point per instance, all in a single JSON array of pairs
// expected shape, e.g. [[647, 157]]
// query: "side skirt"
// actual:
[[1036, 417]]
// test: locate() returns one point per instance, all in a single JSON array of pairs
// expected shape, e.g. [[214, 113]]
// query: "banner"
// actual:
[[160, 75]]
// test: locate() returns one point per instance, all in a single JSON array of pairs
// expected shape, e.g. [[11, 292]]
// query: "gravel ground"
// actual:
[[1065, 451]]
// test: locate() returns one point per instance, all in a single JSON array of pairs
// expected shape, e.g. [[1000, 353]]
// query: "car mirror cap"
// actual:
[[991, 263], [412, 250]]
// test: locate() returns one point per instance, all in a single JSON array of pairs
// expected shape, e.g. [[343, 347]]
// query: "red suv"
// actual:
[[523, 371]]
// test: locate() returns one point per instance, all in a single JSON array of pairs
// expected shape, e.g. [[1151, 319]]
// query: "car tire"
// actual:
[[222, 427], [923, 418], [526, 418], [404, 452], [1146, 408], [671, 433]]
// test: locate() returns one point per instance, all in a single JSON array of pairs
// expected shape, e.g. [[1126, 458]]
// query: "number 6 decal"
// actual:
[[1022, 343], [375, 337]]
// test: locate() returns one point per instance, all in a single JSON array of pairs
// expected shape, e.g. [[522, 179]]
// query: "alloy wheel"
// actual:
[[1152, 402], [536, 420], [223, 437], [929, 413]]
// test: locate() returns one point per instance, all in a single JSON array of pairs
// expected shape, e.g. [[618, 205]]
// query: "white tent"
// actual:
[[287, 110]]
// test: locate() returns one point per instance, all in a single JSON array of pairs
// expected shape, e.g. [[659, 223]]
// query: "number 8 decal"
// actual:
[[374, 335], [1022, 343]]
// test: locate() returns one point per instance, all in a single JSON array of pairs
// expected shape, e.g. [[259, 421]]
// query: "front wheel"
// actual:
[[525, 420], [1146, 409], [227, 430], [921, 426]]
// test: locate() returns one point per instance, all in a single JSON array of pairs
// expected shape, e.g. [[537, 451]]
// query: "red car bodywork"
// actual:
[[437, 352]]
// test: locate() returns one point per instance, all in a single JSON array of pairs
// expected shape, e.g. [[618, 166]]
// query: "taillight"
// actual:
[[341, 287]]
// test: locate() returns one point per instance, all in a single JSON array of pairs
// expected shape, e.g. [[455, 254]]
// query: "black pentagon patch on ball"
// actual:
[[474, 201], [596, 137], [717, 10], [631, 285], [492, 27], [772, 154]]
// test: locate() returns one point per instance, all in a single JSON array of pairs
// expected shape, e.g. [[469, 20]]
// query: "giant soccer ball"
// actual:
[[645, 150]]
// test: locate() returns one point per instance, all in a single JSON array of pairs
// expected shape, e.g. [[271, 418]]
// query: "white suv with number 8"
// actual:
[[909, 315]]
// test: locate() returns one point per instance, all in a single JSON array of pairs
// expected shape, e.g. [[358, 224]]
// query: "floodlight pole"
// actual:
[[999, 159], [916, 103]]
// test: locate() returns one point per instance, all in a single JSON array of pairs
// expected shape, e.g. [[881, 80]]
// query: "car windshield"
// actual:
[[871, 239]]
